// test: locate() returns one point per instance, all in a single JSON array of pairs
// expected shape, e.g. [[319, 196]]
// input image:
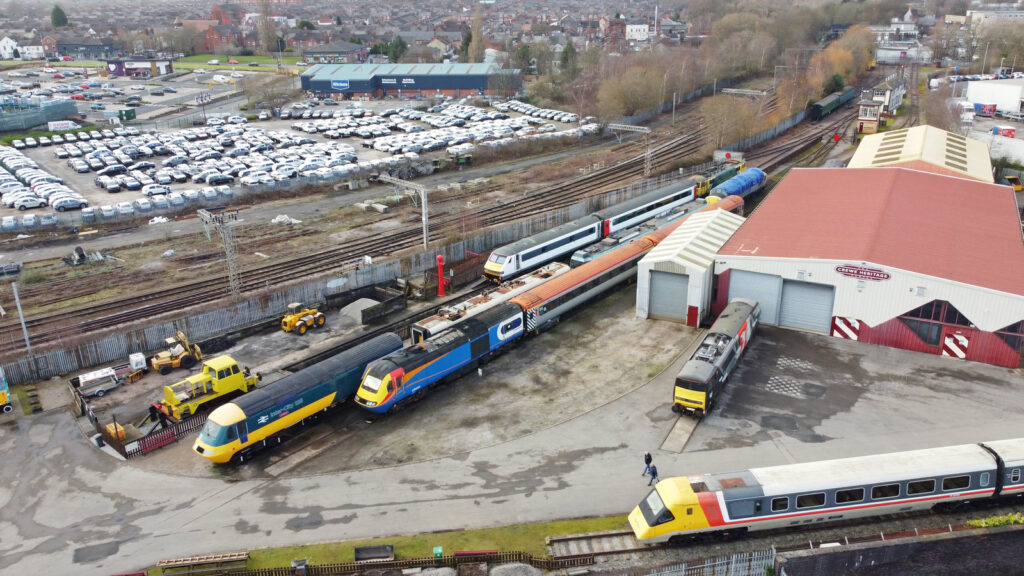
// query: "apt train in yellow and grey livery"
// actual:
[[703, 506]]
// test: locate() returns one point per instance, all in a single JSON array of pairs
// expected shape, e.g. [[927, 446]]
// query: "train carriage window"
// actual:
[[234, 368], [780, 504], [849, 495], [885, 491], [920, 487], [810, 500], [984, 479], [230, 433], [956, 483], [1015, 475]]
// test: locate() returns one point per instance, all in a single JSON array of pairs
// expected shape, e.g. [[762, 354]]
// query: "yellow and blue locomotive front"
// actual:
[[672, 509], [218, 440], [229, 430], [380, 383]]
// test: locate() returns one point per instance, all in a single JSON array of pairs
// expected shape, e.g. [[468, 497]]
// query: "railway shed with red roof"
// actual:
[[890, 256]]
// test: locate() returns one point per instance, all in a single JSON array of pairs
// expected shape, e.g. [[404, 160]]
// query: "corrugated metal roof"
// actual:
[[694, 243], [365, 72], [954, 228], [946, 151]]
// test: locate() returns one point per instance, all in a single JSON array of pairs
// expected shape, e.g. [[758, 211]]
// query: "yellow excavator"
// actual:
[[180, 353], [300, 318]]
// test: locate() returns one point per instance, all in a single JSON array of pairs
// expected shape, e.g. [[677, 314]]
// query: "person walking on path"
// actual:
[[654, 475], [647, 463]]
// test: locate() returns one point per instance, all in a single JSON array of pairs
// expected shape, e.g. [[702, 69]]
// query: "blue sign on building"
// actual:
[[339, 84]]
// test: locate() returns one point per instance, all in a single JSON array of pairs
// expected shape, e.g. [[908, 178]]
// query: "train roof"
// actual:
[[876, 469], [643, 199], [294, 384], [1012, 451], [576, 276], [732, 316], [547, 235], [451, 314]]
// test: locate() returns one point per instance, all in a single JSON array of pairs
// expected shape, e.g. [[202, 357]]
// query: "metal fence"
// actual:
[[768, 134], [11, 120], [756, 563]]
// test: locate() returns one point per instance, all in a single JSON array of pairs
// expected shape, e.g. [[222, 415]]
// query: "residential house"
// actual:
[[32, 52], [439, 47], [198, 25], [83, 47], [222, 37], [228, 14], [339, 52], [637, 30], [8, 48], [672, 29]]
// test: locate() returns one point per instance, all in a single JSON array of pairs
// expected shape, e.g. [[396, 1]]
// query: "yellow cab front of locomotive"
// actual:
[[218, 441], [669, 509], [690, 395], [498, 267]]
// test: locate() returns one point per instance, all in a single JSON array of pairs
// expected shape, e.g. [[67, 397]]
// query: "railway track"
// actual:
[[76, 321], [97, 317], [623, 548]]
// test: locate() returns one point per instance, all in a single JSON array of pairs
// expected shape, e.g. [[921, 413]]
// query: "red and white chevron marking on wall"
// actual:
[[847, 328], [955, 346]]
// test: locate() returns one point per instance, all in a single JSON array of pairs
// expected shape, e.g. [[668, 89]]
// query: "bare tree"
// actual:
[[265, 27], [477, 42]]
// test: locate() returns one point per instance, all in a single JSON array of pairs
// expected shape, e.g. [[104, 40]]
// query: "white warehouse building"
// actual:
[[675, 279]]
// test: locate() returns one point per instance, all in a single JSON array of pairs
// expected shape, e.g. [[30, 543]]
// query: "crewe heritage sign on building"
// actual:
[[861, 273]]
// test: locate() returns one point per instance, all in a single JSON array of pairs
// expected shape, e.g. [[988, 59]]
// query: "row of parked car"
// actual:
[[23, 185], [73, 137], [531, 110]]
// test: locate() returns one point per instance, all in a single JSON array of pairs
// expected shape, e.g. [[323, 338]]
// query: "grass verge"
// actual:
[[530, 538], [22, 394], [204, 58]]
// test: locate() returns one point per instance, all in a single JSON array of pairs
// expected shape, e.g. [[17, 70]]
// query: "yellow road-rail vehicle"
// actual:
[[219, 379]]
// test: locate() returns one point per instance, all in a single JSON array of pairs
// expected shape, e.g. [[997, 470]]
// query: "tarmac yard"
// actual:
[[554, 429], [793, 387]]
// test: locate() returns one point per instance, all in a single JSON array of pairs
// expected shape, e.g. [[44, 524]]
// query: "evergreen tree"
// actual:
[[467, 39], [57, 17], [397, 48], [570, 66]]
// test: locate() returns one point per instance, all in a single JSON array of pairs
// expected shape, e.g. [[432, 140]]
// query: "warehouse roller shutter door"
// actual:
[[766, 289], [807, 306], [668, 296]]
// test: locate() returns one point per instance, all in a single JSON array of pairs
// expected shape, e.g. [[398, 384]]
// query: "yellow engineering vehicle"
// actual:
[[180, 353], [299, 318], [219, 378]]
